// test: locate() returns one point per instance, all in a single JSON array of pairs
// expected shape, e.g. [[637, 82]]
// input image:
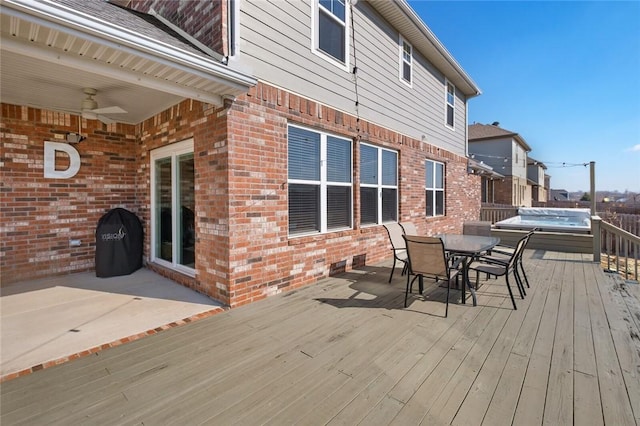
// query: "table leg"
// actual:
[[467, 283]]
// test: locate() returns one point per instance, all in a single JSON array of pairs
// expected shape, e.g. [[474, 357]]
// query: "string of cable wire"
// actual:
[[549, 164]]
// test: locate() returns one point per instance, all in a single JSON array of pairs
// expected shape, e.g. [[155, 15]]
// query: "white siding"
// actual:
[[275, 45]]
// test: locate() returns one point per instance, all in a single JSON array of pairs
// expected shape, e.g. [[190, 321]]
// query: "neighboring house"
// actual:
[[263, 144], [506, 152], [558, 195], [537, 179]]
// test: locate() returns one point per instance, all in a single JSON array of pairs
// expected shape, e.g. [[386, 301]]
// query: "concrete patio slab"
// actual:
[[48, 321]]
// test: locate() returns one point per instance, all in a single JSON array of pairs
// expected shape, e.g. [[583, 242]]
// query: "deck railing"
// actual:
[[628, 222], [495, 214], [621, 248]]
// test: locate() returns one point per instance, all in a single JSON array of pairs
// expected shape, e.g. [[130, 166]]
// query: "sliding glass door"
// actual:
[[173, 206]]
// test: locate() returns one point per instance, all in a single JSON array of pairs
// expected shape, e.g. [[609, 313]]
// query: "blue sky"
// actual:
[[565, 75]]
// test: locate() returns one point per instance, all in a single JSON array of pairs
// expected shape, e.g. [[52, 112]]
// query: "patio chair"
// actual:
[[397, 246], [409, 228], [476, 227], [502, 252], [426, 258], [498, 269]]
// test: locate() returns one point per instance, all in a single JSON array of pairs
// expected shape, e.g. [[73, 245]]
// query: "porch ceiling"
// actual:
[[51, 51]]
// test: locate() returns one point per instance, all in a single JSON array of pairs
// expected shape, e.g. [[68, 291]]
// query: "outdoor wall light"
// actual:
[[74, 137]]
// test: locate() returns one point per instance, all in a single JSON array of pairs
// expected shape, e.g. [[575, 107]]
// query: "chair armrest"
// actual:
[[503, 261], [503, 249]]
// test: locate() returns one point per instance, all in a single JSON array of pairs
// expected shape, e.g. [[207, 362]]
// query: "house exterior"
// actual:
[[538, 180], [263, 144], [506, 152], [559, 195]]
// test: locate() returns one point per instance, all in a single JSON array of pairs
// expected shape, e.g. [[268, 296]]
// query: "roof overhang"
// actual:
[[412, 28], [51, 51], [479, 168]]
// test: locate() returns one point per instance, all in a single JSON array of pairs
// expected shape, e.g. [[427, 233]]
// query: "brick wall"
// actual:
[[207, 126], [39, 216], [262, 259], [504, 191], [205, 20], [243, 252]]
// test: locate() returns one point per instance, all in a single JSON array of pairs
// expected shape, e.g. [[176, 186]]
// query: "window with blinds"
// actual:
[[320, 183], [378, 185], [330, 27]]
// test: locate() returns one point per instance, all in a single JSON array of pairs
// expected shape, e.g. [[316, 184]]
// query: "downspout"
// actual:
[[233, 29]]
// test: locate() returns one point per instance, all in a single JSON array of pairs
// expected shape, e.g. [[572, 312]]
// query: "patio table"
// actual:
[[467, 247]]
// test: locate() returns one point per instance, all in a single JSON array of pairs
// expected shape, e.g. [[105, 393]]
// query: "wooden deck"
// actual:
[[344, 351]]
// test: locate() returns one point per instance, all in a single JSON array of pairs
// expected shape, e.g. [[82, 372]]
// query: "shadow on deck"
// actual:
[[344, 351]]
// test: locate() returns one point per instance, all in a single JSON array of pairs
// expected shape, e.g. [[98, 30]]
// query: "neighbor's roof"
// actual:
[[534, 162], [480, 168], [480, 132]]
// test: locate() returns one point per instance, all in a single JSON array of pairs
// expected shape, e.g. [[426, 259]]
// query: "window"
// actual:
[[434, 188], [378, 185], [173, 206], [406, 61], [320, 170], [451, 106], [330, 27]]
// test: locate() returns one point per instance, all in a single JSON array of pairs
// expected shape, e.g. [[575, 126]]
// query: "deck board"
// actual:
[[345, 351]]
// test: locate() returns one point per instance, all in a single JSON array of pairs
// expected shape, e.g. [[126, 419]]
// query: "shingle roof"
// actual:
[[140, 23], [479, 131], [487, 131]]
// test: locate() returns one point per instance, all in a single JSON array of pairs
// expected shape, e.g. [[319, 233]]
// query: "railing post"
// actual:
[[597, 233]]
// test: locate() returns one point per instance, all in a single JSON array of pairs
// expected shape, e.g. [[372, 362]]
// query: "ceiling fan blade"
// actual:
[[109, 110], [105, 119], [89, 115]]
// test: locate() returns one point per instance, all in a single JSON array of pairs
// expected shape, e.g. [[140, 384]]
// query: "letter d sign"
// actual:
[[50, 171]]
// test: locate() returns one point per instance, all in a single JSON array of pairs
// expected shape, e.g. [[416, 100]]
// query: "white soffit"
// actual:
[[51, 37]]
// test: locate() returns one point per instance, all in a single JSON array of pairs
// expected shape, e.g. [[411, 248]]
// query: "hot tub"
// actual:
[[549, 219]]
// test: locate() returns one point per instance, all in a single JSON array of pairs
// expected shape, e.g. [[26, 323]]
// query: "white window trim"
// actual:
[[443, 189], [173, 151], [381, 186], [323, 183], [401, 61], [446, 103], [315, 36]]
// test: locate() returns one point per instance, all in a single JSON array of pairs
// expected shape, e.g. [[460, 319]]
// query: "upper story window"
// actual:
[[378, 185], [434, 188], [451, 105], [330, 23], [406, 62], [320, 171]]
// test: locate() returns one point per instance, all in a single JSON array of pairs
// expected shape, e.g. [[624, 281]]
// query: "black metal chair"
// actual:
[[426, 258], [502, 253], [500, 268]]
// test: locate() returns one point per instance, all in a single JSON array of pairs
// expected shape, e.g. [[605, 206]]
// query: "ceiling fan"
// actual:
[[90, 110]]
